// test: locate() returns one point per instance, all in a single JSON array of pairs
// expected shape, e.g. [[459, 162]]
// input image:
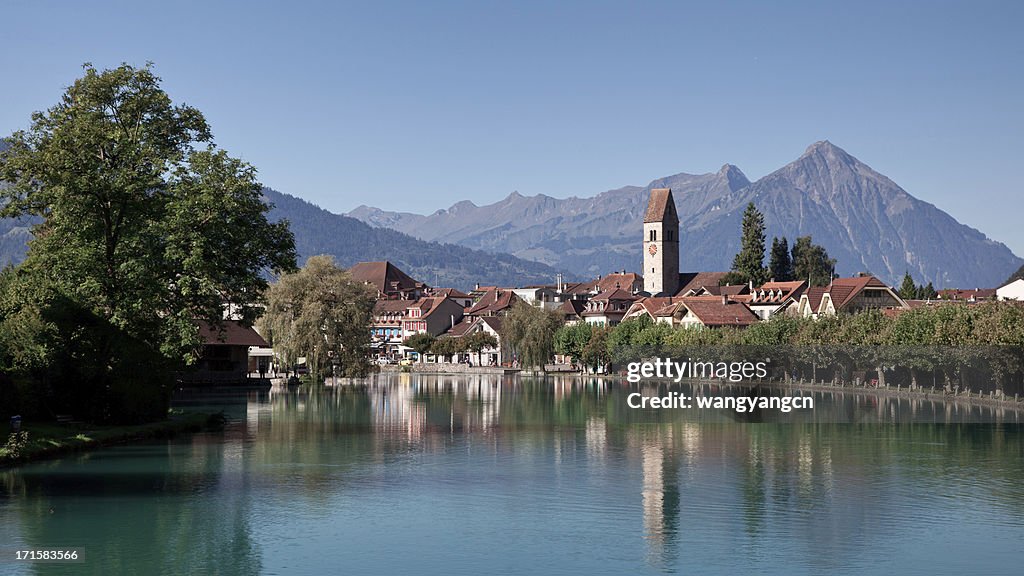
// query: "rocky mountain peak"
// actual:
[[734, 176], [829, 154]]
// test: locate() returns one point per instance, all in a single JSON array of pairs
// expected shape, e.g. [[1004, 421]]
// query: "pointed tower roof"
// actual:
[[661, 207]]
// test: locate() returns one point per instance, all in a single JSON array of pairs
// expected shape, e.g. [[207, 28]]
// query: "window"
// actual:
[[654, 235], [669, 235]]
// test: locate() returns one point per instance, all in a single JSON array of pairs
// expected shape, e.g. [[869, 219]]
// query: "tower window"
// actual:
[[654, 236], [669, 235]]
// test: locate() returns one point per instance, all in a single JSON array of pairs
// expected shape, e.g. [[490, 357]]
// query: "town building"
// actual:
[[711, 312], [608, 308], [849, 295], [1012, 291], [230, 352], [773, 298], [458, 296], [971, 296], [432, 315]]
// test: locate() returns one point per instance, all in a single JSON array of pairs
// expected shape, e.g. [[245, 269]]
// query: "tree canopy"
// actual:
[[146, 227], [530, 332], [321, 314], [811, 262]]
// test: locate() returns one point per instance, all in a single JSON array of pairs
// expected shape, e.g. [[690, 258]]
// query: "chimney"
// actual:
[[725, 300]]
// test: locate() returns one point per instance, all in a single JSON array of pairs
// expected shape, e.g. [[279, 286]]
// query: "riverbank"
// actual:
[[448, 368], [42, 440]]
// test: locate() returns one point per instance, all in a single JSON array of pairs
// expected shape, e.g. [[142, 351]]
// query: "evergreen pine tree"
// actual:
[[908, 290], [749, 262], [780, 265]]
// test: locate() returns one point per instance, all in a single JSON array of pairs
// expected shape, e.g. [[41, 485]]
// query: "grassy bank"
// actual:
[[39, 440]]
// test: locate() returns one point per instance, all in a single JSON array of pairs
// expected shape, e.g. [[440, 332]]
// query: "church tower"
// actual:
[[661, 244]]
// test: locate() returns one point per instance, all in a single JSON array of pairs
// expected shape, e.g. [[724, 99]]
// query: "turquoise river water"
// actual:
[[420, 474]]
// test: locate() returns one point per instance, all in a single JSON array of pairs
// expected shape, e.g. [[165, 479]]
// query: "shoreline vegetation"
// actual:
[[47, 440]]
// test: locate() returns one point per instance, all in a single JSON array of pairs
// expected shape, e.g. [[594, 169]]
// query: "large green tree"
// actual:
[[421, 342], [571, 339], [146, 226], [530, 331], [811, 262], [321, 314], [748, 264]]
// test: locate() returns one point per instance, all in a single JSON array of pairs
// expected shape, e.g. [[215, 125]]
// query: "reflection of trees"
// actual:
[[168, 509], [682, 476]]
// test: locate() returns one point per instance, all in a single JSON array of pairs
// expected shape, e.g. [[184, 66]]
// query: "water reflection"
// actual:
[[431, 474]]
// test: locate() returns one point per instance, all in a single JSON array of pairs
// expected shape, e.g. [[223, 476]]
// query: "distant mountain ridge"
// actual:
[[349, 241], [864, 219]]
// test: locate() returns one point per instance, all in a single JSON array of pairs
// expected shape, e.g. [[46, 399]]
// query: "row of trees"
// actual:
[[911, 291], [948, 340], [806, 260], [145, 228]]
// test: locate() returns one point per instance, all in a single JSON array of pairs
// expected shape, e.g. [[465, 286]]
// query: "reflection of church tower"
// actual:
[[661, 244]]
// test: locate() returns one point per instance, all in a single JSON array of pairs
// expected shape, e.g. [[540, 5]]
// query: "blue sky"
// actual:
[[416, 105]]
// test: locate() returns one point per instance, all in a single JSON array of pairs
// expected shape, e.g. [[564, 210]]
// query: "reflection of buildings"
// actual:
[[412, 408], [660, 496]]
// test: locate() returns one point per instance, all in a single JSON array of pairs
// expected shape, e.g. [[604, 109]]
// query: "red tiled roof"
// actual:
[[390, 307], [578, 287], [814, 295], [493, 301], [493, 321], [615, 294], [843, 290], [622, 280], [777, 292], [711, 311], [668, 309], [572, 308], [387, 277], [654, 303], [697, 280], [461, 328], [450, 293], [976, 294], [661, 206], [231, 333]]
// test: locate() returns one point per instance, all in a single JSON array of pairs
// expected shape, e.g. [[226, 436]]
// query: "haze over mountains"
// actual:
[[866, 221]]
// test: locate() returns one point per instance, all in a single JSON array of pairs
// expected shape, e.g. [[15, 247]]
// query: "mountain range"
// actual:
[[349, 241], [864, 220]]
